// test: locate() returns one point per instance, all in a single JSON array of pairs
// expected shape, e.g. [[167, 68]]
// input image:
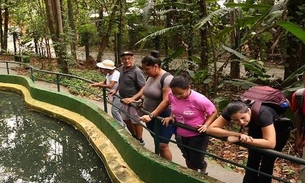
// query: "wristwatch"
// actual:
[[151, 116]]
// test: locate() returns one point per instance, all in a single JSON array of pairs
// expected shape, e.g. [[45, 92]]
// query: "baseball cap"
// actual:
[[126, 53]]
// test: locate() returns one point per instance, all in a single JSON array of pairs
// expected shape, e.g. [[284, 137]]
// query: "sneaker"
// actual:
[[204, 170], [141, 142]]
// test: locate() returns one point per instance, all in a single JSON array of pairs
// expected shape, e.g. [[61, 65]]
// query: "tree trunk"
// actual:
[[62, 57], [55, 25], [72, 26], [50, 18], [5, 31], [234, 66], [87, 49], [15, 37], [203, 38], [1, 25], [165, 40], [119, 37], [295, 49], [105, 38]]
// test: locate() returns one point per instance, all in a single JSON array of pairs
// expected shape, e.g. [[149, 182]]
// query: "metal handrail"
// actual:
[[265, 151], [58, 75]]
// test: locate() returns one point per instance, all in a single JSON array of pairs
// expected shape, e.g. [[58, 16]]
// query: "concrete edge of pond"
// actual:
[[119, 171], [125, 160]]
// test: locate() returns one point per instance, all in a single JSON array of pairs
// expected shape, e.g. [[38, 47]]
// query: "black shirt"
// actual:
[[266, 117]]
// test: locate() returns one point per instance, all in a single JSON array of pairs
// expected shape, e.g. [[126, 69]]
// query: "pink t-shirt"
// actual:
[[191, 111]]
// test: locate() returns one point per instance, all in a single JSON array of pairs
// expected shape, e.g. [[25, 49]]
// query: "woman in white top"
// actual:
[[111, 82]]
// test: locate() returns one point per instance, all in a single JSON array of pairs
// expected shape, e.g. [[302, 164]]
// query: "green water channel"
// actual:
[[37, 148]]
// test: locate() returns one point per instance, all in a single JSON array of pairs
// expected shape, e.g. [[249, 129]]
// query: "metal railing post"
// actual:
[[105, 99], [7, 68], [57, 82], [157, 130], [32, 74]]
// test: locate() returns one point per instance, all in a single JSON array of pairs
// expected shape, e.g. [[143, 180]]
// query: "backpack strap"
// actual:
[[300, 100], [162, 79], [299, 97], [255, 107]]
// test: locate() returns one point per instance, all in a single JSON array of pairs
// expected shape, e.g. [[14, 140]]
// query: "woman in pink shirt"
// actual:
[[193, 109]]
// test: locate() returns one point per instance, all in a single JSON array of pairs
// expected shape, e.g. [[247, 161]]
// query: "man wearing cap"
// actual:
[[111, 83], [131, 82]]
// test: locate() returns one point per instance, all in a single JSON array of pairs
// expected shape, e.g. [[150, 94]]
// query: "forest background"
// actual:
[[246, 38]]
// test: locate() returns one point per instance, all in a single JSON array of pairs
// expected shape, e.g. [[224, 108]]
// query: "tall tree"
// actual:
[[295, 48], [5, 25], [1, 25], [55, 25], [72, 27], [107, 33], [203, 37]]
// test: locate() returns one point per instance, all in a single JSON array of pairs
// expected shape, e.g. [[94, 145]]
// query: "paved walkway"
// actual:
[[214, 170]]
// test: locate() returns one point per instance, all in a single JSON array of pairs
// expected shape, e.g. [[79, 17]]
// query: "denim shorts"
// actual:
[[158, 128]]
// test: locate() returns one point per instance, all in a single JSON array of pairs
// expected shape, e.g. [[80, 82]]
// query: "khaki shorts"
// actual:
[[130, 113]]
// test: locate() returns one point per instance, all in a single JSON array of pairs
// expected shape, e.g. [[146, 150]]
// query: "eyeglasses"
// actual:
[[126, 58]]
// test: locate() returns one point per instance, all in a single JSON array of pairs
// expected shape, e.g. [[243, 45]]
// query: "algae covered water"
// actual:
[[37, 148]]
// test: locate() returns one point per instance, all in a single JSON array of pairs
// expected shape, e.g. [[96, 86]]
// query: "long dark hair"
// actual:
[[236, 106]]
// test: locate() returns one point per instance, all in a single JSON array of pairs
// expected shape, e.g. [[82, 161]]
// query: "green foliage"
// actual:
[[159, 33], [217, 13], [222, 102], [75, 86], [294, 75], [294, 29], [80, 87], [87, 33], [175, 54]]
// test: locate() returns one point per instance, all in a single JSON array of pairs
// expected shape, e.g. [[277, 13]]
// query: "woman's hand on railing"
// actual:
[[245, 138], [233, 139], [202, 128], [241, 138], [167, 120], [145, 118]]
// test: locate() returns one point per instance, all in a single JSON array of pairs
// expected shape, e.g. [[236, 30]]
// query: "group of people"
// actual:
[[172, 98]]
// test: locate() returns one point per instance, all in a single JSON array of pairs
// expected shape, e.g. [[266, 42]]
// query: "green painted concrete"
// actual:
[[147, 166]]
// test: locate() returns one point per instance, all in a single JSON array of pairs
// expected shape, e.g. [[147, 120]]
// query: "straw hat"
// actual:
[[106, 64]]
